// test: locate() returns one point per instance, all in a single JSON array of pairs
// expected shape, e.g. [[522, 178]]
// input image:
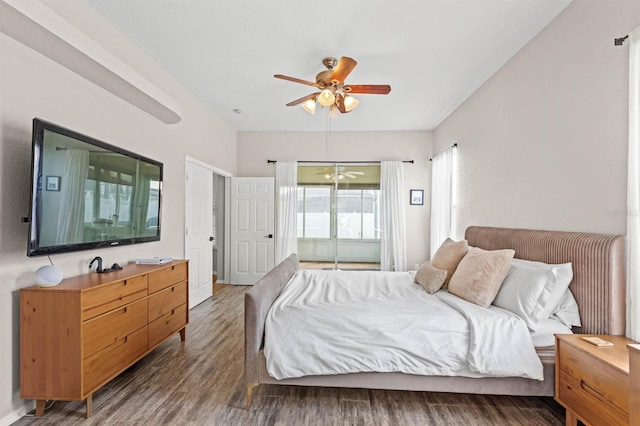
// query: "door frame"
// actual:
[[227, 226]]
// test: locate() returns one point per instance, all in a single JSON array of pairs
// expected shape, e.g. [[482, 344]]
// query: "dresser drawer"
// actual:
[[607, 381], [586, 401], [165, 300], [107, 297], [167, 277], [167, 324], [102, 331], [105, 364]]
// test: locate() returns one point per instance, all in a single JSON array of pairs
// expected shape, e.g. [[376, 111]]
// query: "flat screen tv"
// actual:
[[88, 194]]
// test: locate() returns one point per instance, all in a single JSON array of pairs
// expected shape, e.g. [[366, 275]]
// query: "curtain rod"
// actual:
[[455, 145], [349, 162], [620, 41]]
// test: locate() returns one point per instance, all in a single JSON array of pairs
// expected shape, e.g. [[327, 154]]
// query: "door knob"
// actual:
[[269, 236]]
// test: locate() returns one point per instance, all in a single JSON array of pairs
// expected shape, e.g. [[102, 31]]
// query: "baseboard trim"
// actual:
[[16, 415]]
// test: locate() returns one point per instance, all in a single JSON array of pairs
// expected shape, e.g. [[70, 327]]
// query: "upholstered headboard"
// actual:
[[598, 262]]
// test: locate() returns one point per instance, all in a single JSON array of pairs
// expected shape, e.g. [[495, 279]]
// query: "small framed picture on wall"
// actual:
[[53, 183], [416, 197]]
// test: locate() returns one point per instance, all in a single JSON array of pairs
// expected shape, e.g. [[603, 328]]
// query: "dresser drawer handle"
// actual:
[[590, 389], [125, 310], [125, 282], [126, 338], [173, 268], [173, 289]]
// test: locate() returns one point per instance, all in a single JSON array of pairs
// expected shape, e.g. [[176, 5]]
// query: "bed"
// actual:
[[598, 285]]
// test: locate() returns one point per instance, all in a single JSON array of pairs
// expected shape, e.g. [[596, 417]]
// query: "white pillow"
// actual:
[[532, 290], [567, 310], [545, 334]]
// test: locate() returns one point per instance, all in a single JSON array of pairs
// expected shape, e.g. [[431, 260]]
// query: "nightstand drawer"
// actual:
[[595, 375], [592, 406]]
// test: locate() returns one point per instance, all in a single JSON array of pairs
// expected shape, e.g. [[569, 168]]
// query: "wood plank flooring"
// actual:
[[201, 382]]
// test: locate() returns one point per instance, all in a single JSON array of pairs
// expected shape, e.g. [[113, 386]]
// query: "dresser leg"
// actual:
[[89, 405], [183, 334], [571, 419], [40, 403]]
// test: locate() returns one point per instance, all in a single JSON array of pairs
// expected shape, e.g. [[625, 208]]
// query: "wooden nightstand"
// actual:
[[592, 382]]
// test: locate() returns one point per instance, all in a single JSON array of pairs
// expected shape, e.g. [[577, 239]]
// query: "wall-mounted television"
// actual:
[[88, 194]]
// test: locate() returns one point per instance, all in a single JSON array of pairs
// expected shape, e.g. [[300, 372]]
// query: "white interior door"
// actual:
[[199, 231], [252, 229]]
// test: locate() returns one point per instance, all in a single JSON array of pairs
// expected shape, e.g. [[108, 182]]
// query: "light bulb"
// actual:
[[350, 103], [310, 106], [326, 98]]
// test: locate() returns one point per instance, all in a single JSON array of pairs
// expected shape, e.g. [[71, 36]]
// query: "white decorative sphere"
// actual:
[[48, 276]]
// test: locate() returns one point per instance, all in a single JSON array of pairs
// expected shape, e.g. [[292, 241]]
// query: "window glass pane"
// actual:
[[317, 212], [349, 213], [300, 218], [371, 214]]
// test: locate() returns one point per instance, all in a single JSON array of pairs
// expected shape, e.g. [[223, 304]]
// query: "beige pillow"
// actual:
[[448, 256], [480, 274], [430, 278]]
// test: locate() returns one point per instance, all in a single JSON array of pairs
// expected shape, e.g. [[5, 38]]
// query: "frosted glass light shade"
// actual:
[[350, 103], [310, 106], [326, 98], [48, 276]]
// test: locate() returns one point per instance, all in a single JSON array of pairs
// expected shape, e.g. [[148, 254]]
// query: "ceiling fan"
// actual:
[[330, 174], [334, 93]]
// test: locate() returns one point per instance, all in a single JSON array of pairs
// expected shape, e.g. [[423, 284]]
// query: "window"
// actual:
[[314, 212], [358, 213]]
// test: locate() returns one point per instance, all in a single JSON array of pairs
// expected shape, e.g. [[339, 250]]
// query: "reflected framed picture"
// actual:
[[416, 197], [53, 183]]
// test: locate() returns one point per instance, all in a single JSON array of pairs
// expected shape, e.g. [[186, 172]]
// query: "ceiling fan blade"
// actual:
[[343, 69], [301, 100], [372, 89], [295, 80]]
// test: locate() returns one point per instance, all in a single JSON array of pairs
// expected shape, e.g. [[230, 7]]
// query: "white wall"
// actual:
[[255, 148], [543, 142], [33, 86]]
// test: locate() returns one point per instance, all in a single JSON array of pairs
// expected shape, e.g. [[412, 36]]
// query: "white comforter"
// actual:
[[335, 322]]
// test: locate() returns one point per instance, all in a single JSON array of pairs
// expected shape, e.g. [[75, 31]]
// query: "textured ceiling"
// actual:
[[433, 53]]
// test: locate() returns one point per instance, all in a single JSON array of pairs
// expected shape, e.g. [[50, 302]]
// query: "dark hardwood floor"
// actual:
[[201, 382]]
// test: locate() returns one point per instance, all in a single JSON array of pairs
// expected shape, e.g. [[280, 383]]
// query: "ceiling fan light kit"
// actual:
[[334, 93]]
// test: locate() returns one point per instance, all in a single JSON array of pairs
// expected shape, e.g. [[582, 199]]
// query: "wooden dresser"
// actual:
[[77, 336], [592, 382]]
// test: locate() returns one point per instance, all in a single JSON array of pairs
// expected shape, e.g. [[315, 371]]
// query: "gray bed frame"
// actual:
[[598, 285]]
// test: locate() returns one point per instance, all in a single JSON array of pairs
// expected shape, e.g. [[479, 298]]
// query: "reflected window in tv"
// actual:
[[88, 194]]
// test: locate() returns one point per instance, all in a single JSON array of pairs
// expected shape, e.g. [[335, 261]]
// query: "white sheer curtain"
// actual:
[[442, 197], [71, 212], [287, 212], [633, 190], [393, 251]]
